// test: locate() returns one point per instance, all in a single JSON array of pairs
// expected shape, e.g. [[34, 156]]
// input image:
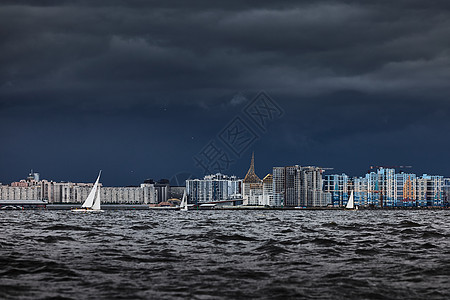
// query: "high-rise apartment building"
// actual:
[[435, 190], [279, 182], [385, 188], [446, 188], [338, 187], [299, 186], [267, 192], [360, 188], [405, 189], [211, 188], [311, 187]]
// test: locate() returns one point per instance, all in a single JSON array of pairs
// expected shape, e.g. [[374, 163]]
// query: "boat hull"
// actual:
[[84, 210]]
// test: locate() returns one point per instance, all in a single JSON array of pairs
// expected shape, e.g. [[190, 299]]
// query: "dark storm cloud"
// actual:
[[383, 65], [298, 48]]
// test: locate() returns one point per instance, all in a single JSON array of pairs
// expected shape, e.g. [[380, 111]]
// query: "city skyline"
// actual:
[[185, 175], [288, 186]]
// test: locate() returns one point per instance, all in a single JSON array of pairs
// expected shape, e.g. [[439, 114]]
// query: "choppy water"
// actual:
[[225, 254]]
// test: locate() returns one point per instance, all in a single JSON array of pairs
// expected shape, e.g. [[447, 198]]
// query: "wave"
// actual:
[[64, 227], [271, 248], [406, 223], [54, 239]]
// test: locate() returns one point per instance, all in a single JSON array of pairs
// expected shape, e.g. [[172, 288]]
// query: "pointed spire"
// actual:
[[251, 176], [252, 164]]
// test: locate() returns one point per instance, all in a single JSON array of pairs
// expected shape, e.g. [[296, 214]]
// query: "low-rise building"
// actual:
[[70, 192]]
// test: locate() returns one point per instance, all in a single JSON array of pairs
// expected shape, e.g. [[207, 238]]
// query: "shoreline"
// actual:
[[246, 208]]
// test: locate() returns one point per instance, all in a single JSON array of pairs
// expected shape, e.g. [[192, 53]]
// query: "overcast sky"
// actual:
[[140, 88]]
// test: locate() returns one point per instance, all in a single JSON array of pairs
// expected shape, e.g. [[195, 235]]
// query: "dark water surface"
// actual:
[[225, 254]]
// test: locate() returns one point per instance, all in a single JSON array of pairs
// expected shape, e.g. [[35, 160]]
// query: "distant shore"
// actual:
[[147, 207]]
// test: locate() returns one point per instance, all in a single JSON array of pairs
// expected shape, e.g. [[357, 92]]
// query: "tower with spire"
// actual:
[[251, 176], [251, 185]]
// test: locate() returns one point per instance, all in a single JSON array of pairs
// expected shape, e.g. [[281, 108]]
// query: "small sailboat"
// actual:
[[184, 204], [92, 202], [351, 203]]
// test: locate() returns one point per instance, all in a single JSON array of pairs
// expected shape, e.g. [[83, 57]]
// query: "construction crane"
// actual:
[[390, 167], [372, 168], [324, 169]]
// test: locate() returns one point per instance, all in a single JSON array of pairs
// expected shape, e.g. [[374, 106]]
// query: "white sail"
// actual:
[[96, 205], [184, 204], [350, 202], [90, 199]]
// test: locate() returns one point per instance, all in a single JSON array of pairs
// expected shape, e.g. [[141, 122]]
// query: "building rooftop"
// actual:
[[268, 178]]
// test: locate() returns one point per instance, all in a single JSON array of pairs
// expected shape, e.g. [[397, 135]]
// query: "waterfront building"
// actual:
[[311, 187], [338, 187], [360, 188], [377, 188], [385, 188], [162, 190], [33, 176], [267, 192], [256, 195], [387, 185], [435, 189], [292, 186], [149, 193], [299, 186], [217, 187], [406, 190], [251, 185], [32, 180], [65, 192], [20, 192], [25, 189], [446, 195], [70, 192], [176, 192], [373, 189], [278, 187], [144, 194], [421, 192]]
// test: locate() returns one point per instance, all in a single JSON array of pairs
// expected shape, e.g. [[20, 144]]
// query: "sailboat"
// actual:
[[184, 204], [351, 203], [92, 202]]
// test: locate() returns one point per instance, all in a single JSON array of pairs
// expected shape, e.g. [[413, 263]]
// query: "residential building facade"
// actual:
[[299, 186], [70, 192], [212, 188]]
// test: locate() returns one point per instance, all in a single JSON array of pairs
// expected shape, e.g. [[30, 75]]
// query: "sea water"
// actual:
[[366, 254]]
